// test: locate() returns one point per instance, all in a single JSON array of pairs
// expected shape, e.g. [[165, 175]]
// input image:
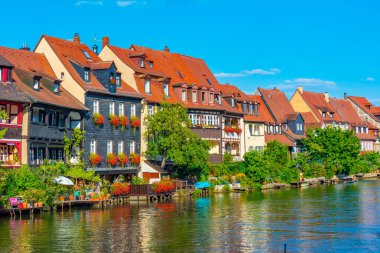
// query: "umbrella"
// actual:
[[63, 180]]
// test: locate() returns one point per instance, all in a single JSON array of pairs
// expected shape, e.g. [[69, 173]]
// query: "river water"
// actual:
[[337, 218]]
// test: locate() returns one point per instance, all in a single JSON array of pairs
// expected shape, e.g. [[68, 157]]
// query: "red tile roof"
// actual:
[[346, 111], [263, 112], [68, 51], [280, 138], [27, 65], [366, 106], [308, 118], [318, 104], [278, 104]]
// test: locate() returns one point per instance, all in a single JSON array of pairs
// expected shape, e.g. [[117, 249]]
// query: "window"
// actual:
[[88, 57], [194, 96], [142, 63], [366, 130], [62, 120], [133, 110], [233, 102], [211, 98], [36, 84], [331, 115], [324, 114], [56, 87], [1, 75], [250, 108], [150, 64], [54, 119], [183, 95], [301, 126], [257, 130], [244, 108], [62, 75], [3, 153], [150, 109], [166, 89], [109, 147], [132, 147], [120, 147], [95, 106], [147, 85], [256, 109], [93, 146], [112, 108], [279, 130], [268, 129], [362, 130], [121, 109], [38, 115], [118, 83], [219, 99], [286, 126], [250, 128], [203, 96], [86, 75]]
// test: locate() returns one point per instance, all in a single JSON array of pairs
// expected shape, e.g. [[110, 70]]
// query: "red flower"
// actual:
[[135, 158], [114, 120], [120, 189], [112, 159], [123, 159], [98, 119], [95, 159], [135, 122], [163, 186]]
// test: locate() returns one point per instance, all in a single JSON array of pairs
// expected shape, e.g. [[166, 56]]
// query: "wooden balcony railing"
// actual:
[[13, 131]]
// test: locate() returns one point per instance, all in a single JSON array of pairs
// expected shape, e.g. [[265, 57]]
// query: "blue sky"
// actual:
[[323, 45]]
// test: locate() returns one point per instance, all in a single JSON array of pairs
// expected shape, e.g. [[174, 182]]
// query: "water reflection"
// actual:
[[341, 218]]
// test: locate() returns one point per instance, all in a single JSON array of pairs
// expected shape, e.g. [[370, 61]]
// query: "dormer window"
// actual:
[[232, 102], [150, 64], [166, 89], [194, 96], [183, 95], [56, 88], [36, 83], [203, 96], [147, 85], [211, 98], [366, 130], [279, 129], [256, 109], [220, 99], [142, 63], [250, 109], [244, 108], [118, 83], [357, 129], [331, 115], [324, 114], [86, 75]]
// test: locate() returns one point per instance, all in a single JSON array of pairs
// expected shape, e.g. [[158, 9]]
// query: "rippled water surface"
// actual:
[[339, 218]]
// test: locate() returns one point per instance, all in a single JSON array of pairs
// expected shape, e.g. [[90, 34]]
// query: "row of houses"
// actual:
[[63, 85]]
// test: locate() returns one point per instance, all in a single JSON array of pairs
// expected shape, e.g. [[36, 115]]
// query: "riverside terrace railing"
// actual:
[[115, 170], [142, 190]]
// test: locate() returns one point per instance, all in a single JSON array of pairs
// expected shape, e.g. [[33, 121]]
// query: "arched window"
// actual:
[[228, 148]]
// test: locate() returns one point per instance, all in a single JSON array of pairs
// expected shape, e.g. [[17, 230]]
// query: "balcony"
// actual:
[[13, 131], [216, 158], [207, 133]]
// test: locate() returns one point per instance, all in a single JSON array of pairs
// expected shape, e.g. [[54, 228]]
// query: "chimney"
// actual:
[[166, 49], [105, 41], [327, 97], [300, 89], [76, 38], [25, 47], [345, 95]]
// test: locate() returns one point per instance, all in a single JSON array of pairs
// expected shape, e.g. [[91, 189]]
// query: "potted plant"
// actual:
[[112, 159], [135, 123], [135, 159], [3, 116], [114, 121], [98, 119], [95, 159], [123, 159], [124, 122], [82, 194]]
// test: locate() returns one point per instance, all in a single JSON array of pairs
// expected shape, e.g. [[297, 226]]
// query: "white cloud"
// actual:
[[271, 72], [90, 2], [125, 3], [306, 82], [370, 79], [374, 100]]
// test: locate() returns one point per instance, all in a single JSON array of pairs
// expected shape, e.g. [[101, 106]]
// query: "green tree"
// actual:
[[337, 150], [169, 136]]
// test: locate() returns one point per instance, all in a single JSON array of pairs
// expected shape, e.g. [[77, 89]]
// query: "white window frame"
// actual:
[[166, 89], [93, 146], [121, 109], [211, 97], [120, 147], [86, 75], [109, 146], [194, 96], [184, 93], [147, 86], [36, 84], [118, 83], [132, 147], [112, 108], [142, 62], [150, 109], [133, 110], [95, 106], [4, 153]]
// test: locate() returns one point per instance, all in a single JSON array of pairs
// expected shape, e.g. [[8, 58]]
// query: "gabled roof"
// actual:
[[68, 52], [346, 111], [366, 106], [278, 104], [318, 104], [5, 63], [309, 119], [280, 138], [263, 112], [27, 66]]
